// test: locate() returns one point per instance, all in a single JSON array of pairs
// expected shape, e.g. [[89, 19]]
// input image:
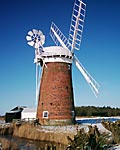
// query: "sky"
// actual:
[[99, 52]]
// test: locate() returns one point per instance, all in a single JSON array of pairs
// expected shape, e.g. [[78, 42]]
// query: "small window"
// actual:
[[69, 67], [73, 114], [45, 114]]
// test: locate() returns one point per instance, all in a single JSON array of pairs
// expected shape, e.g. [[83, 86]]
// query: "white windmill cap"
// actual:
[[56, 54], [56, 51]]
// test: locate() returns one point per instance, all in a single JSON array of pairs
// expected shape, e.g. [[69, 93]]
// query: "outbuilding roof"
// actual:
[[30, 110]]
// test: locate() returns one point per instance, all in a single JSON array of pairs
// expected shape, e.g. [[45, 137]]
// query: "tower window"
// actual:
[[69, 67], [45, 114], [73, 114]]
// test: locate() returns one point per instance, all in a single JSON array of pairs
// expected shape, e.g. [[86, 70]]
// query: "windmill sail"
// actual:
[[77, 23], [92, 83], [58, 37], [39, 72]]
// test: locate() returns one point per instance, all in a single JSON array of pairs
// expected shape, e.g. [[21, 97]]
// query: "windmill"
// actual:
[[54, 92]]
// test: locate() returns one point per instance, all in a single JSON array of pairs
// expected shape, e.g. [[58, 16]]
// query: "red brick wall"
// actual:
[[56, 92]]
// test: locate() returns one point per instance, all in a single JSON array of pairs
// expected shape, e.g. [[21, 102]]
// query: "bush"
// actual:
[[92, 140], [114, 128]]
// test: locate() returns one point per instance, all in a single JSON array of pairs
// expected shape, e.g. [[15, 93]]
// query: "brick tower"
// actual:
[[55, 101]]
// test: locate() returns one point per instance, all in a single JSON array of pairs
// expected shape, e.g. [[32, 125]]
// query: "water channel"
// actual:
[[24, 144]]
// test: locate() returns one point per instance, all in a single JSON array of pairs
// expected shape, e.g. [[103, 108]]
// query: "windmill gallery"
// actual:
[[54, 91]]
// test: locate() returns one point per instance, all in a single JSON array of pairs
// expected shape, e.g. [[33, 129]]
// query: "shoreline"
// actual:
[[57, 134], [53, 134], [92, 117]]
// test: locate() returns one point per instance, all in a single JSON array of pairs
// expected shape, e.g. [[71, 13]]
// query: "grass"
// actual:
[[30, 132], [7, 130], [8, 145]]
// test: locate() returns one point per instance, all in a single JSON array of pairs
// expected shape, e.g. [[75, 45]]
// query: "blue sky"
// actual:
[[100, 49]]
